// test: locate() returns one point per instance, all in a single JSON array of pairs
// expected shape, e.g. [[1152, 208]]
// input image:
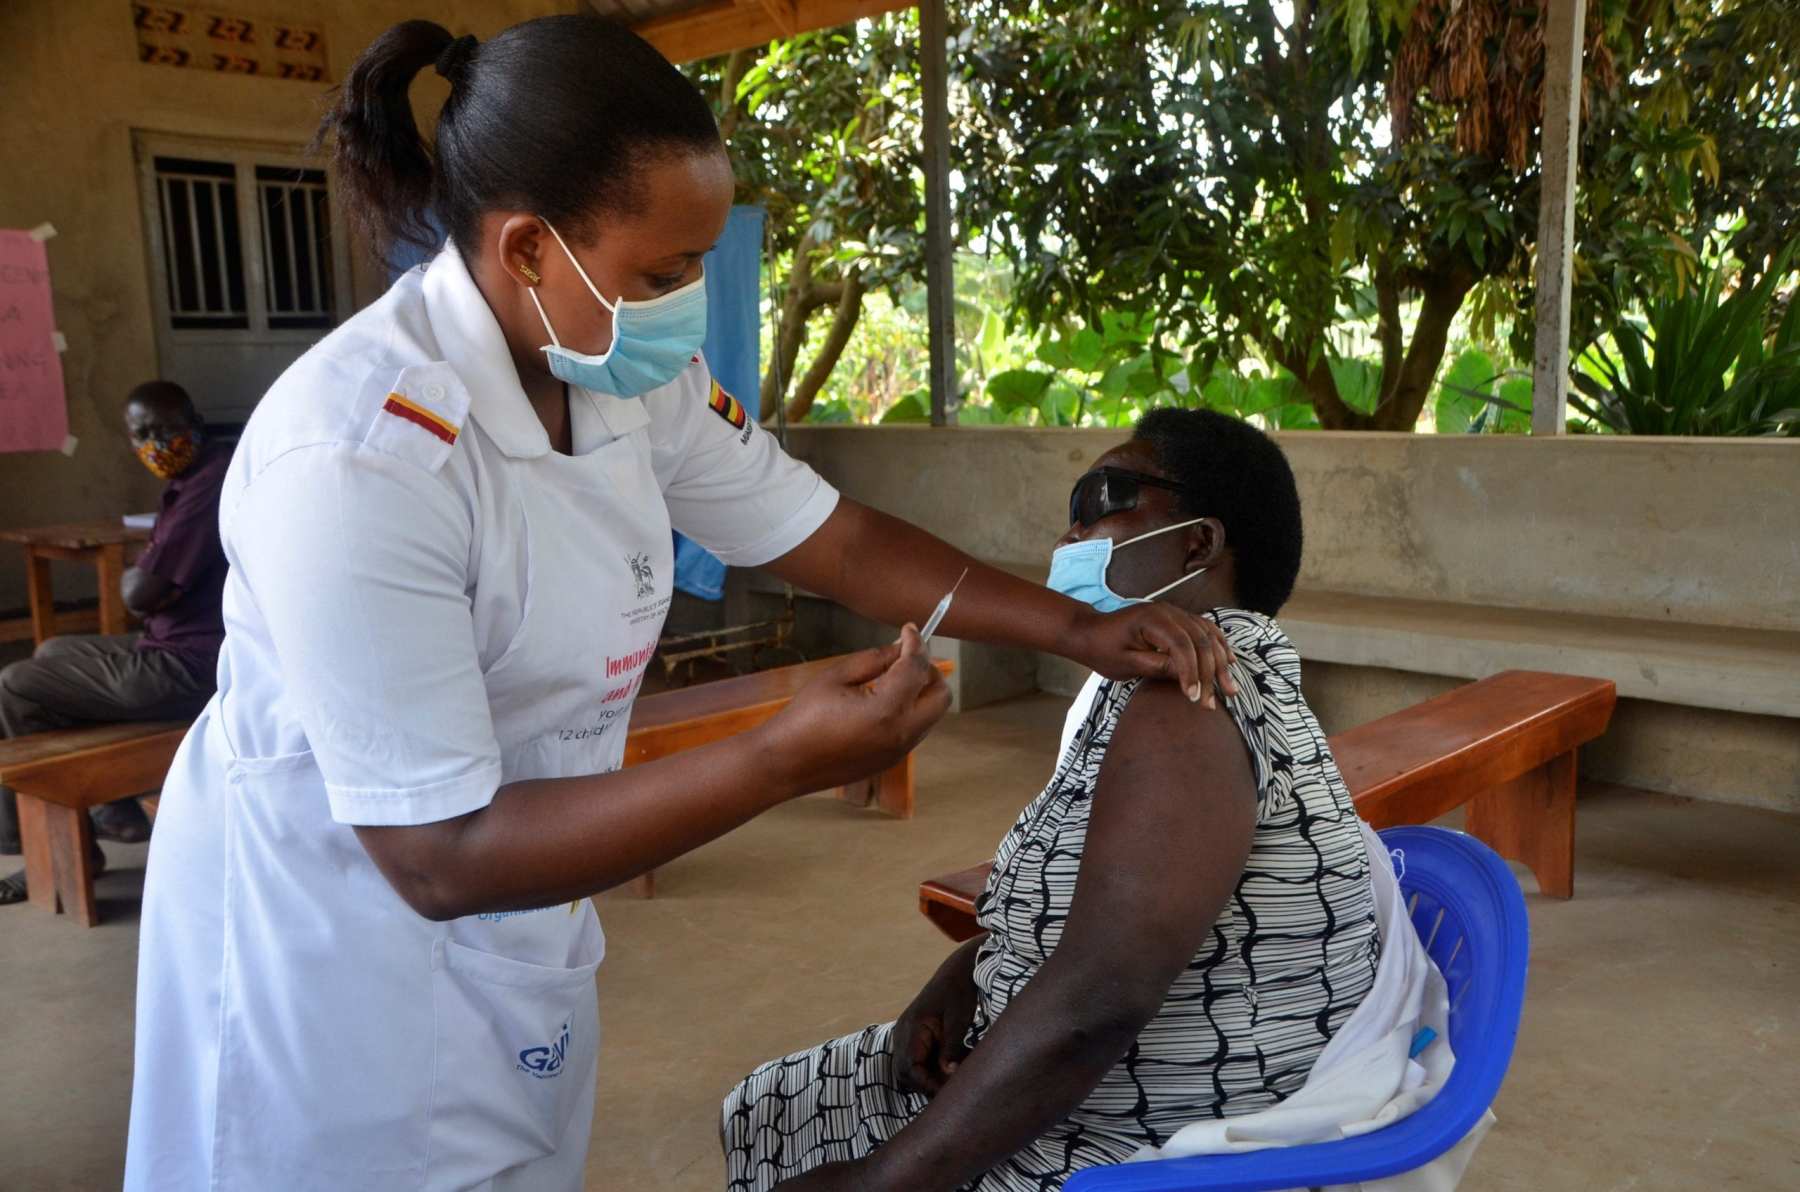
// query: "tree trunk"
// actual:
[[730, 111], [849, 310], [1406, 376], [804, 296], [1402, 402]]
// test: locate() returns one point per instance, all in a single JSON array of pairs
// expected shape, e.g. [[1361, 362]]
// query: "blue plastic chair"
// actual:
[[1468, 909]]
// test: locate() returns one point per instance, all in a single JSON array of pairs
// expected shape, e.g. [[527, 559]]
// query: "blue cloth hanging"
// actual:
[[734, 353]]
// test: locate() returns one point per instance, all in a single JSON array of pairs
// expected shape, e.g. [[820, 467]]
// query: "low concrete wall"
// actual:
[[1665, 533], [1686, 530]]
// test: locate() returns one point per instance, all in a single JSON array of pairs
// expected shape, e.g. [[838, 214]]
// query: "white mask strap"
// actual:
[[1153, 533], [1164, 530], [532, 290], [592, 289], [1184, 579]]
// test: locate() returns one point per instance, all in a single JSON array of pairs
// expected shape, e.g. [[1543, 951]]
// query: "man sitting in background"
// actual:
[[167, 671]]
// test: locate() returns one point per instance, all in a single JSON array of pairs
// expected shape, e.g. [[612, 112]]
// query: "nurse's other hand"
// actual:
[[860, 717], [1156, 641]]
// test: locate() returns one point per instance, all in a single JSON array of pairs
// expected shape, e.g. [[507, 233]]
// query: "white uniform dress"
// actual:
[[425, 602]]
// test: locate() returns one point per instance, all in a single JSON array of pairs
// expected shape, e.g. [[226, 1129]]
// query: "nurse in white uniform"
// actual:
[[367, 957]]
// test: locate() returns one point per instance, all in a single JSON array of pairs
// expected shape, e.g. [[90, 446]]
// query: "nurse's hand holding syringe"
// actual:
[[553, 840], [864, 716]]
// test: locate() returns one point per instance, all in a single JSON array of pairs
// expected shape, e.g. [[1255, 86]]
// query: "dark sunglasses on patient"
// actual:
[[1104, 491]]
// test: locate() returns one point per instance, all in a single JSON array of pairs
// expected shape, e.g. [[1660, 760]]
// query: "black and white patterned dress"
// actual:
[[1287, 961]]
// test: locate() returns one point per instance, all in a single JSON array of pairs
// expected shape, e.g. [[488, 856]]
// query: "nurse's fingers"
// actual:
[[865, 666], [911, 675]]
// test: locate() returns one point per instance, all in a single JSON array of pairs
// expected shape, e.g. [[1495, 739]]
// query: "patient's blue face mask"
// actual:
[[1078, 570], [653, 342]]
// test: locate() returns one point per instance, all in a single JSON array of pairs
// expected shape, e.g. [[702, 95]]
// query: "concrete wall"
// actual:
[[1679, 537], [1697, 530], [73, 92]]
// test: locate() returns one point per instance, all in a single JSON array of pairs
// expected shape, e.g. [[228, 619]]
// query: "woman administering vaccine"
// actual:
[[368, 954]]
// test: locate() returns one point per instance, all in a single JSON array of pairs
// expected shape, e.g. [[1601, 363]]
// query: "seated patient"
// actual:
[[1174, 928]]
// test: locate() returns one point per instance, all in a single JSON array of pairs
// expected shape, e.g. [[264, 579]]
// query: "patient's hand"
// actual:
[[930, 1038]]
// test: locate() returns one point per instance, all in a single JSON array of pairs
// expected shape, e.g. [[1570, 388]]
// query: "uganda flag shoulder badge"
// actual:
[[426, 420], [727, 407]]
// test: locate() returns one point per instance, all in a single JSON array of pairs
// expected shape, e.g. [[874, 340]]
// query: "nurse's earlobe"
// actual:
[[531, 275]]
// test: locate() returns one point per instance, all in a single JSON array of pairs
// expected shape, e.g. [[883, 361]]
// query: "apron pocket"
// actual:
[[515, 1052]]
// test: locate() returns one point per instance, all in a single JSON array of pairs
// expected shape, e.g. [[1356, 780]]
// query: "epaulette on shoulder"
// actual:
[[419, 414]]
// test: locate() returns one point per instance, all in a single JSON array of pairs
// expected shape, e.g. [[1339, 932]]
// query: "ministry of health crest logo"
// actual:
[[641, 571]]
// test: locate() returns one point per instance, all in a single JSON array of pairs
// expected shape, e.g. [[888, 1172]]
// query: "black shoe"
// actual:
[[9, 827], [13, 888], [123, 821]]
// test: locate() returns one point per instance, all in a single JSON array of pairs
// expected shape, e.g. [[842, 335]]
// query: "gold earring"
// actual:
[[531, 275]]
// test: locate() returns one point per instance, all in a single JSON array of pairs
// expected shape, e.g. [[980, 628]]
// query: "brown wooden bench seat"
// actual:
[[1504, 745], [671, 721], [59, 775]]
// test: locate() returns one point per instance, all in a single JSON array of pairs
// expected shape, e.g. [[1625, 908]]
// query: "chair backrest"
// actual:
[[1469, 912]]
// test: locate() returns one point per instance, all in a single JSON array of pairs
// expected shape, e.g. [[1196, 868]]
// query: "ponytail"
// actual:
[[383, 164], [553, 116]]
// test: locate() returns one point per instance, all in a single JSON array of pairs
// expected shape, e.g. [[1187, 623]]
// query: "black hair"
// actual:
[[165, 397], [1236, 473], [553, 116]]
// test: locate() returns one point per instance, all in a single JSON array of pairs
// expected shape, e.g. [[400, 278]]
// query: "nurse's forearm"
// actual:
[[553, 840], [892, 571]]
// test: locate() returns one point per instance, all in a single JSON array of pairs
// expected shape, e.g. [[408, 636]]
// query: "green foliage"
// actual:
[[1229, 169], [1474, 396], [1705, 362]]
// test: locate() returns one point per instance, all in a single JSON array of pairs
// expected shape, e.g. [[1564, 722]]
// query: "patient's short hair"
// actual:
[[1236, 473]]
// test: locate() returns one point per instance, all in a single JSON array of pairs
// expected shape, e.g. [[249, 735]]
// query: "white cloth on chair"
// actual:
[[1364, 1079]]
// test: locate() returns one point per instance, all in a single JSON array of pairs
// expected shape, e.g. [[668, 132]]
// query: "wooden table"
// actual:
[[102, 543]]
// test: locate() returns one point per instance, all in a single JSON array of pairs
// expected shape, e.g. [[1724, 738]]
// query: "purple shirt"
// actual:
[[184, 550]]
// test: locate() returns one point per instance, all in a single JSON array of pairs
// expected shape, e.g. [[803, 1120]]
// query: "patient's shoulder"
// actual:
[[1165, 744]]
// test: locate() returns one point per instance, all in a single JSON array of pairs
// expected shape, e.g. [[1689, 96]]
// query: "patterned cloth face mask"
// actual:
[[653, 342], [170, 457], [1078, 571]]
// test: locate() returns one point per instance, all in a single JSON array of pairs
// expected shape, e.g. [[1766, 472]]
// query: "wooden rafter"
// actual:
[[726, 25]]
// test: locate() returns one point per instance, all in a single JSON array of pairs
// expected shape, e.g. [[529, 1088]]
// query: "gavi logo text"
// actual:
[[545, 1061]]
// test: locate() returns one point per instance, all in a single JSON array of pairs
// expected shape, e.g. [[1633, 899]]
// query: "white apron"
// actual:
[[360, 1045]]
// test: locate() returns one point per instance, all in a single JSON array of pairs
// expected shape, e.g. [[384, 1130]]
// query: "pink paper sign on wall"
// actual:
[[33, 413]]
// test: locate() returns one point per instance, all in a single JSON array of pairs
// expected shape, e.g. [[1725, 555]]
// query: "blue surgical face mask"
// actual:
[[1078, 571], [653, 342]]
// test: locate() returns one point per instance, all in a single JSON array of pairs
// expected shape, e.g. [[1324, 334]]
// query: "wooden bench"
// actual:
[[59, 775], [1505, 746], [671, 721]]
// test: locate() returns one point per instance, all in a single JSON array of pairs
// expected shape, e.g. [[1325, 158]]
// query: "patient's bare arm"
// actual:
[[1171, 827]]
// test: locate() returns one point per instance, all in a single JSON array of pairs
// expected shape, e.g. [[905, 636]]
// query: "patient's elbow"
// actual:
[[1112, 1015]]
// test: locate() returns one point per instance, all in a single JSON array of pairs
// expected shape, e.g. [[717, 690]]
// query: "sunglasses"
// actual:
[[1106, 491]]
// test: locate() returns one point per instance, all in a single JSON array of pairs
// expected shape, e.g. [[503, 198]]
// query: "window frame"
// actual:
[[244, 157]]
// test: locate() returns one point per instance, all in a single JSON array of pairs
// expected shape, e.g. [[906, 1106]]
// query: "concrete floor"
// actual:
[[1659, 1047]]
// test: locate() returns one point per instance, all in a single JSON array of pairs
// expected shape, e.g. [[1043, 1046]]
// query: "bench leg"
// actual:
[[43, 597], [643, 885], [34, 835], [891, 790], [1532, 820], [57, 869]]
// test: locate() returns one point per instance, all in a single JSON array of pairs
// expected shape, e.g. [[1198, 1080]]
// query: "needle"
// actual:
[[937, 614]]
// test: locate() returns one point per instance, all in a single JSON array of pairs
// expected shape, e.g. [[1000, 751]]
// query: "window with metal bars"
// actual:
[[208, 275], [203, 251], [296, 246]]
